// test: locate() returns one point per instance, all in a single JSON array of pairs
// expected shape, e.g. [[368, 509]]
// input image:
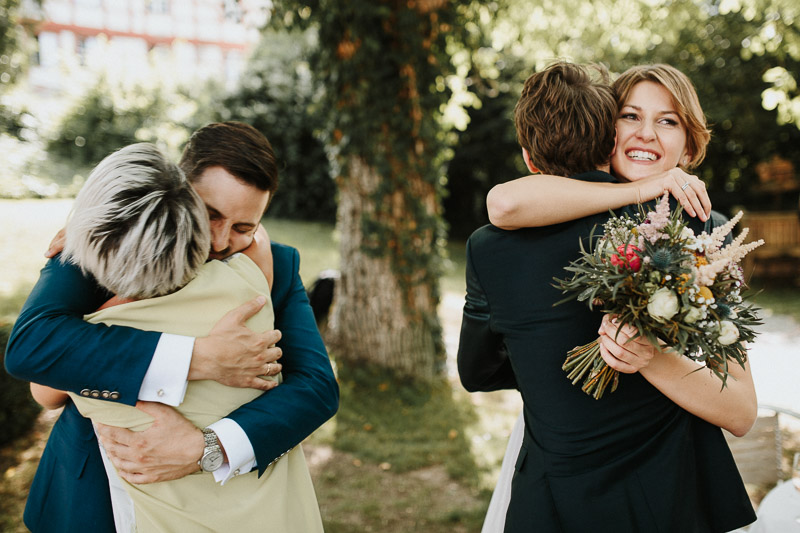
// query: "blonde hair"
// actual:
[[137, 225], [684, 97]]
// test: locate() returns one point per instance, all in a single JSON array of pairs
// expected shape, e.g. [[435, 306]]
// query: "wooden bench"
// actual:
[[781, 233]]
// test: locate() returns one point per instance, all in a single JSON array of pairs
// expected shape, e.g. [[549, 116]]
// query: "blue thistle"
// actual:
[[662, 259], [723, 310]]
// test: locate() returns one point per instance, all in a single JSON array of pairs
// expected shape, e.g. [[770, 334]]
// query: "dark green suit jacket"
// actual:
[[631, 461]]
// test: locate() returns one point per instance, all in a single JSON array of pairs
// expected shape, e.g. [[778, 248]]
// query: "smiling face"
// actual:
[[650, 135], [234, 208]]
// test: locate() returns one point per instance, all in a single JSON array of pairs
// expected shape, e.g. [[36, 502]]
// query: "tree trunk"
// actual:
[[379, 320]]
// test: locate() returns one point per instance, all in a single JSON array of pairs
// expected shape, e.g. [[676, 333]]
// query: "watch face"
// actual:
[[211, 461]]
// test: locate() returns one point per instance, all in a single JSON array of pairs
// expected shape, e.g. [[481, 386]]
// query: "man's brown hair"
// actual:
[[565, 119], [239, 148]]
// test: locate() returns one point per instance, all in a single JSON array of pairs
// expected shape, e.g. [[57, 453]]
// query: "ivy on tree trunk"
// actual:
[[382, 67]]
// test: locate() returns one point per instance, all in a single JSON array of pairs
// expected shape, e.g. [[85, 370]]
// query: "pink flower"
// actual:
[[627, 257]]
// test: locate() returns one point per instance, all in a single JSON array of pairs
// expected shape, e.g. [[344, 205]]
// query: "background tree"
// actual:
[[12, 62], [486, 151], [278, 97], [104, 120], [742, 55], [383, 66], [727, 49]]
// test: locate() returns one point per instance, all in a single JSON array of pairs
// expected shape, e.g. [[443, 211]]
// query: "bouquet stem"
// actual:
[[586, 358]]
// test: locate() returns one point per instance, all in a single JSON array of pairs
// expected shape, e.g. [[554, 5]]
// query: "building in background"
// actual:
[[178, 42]]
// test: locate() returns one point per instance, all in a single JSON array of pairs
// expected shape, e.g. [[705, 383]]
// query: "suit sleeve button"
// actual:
[[114, 395], [85, 392]]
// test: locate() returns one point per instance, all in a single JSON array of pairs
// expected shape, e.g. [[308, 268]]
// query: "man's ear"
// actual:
[[529, 162], [614, 150]]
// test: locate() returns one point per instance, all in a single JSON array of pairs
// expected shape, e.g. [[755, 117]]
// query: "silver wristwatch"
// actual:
[[212, 453]]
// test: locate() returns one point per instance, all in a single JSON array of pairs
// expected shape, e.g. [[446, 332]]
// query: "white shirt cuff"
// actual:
[[165, 379], [241, 457]]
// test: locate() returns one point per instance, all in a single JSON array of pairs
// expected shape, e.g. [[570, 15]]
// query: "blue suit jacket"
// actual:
[[52, 345]]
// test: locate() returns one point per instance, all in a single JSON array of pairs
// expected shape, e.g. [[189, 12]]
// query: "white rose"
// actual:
[[694, 314], [687, 233], [728, 333], [663, 304]]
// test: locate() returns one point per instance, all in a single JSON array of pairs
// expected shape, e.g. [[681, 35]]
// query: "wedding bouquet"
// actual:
[[678, 289]]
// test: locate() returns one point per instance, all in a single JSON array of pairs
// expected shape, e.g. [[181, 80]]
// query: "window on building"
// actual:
[[157, 6], [80, 50], [233, 11], [35, 57]]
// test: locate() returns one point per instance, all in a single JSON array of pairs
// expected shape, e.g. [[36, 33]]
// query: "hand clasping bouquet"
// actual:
[[675, 287]]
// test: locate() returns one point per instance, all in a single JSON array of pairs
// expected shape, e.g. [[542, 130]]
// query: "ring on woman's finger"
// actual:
[[269, 368], [683, 187]]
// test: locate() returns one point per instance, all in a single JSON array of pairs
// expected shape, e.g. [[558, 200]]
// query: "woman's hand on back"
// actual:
[[57, 244]]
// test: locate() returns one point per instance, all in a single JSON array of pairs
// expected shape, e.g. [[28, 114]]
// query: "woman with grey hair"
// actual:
[[137, 225], [142, 231]]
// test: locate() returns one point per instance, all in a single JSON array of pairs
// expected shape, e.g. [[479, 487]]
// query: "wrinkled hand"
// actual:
[[234, 355], [261, 253], [169, 449], [57, 244], [693, 198], [620, 350]]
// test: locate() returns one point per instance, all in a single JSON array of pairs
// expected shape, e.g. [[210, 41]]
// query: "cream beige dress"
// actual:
[[282, 499]]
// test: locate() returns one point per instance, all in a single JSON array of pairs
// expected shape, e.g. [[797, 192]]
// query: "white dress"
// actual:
[[495, 520]]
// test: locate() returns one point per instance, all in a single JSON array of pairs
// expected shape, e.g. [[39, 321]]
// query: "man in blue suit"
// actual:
[[233, 169]]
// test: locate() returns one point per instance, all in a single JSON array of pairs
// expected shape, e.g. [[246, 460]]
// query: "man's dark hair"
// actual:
[[565, 119], [239, 148]]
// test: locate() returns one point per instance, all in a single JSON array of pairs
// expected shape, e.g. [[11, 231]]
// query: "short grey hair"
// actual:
[[137, 225]]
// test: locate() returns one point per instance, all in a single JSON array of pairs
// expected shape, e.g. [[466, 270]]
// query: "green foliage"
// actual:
[[726, 49], [485, 154], [405, 424], [110, 117], [10, 42], [776, 297], [18, 411], [11, 121], [383, 69], [13, 60], [104, 121], [742, 55], [277, 97]]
